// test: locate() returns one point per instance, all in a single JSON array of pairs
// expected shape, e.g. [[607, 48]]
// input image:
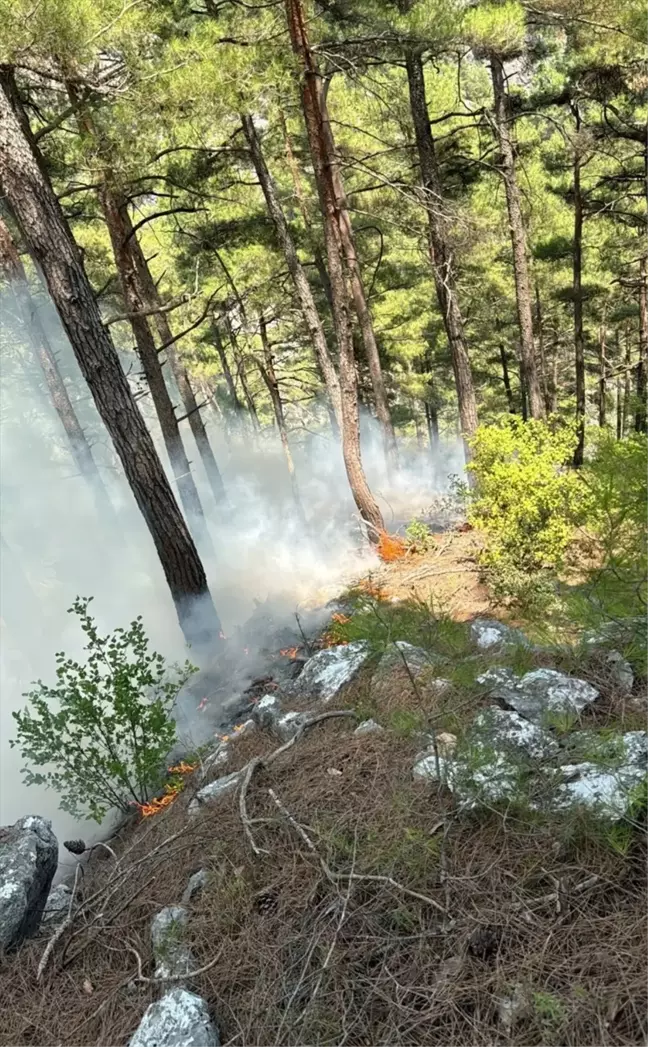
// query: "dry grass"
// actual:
[[307, 958]]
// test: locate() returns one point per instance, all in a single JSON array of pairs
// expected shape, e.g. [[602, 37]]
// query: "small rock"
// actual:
[[499, 677], [512, 1007], [267, 711], [179, 1019], [620, 671], [333, 772], [446, 743], [328, 672], [546, 693], [215, 790], [288, 724], [57, 906], [218, 758], [488, 633], [28, 861], [196, 883], [172, 954], [608, 793], [368, 727]]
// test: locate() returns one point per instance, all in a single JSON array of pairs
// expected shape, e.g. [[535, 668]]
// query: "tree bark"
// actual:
[[43, 224], [237, 406], [518, 239], [541, 352], [579, 338], [302, 287], [151, 296], [627, 382], [602, 384], [240, 373], [507, 380], [13, 270], [640, 414], [120, 229], [439, 250], [270, 378], [354, 274], [338, 276]]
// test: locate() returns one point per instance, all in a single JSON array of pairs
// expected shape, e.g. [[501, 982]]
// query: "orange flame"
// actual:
[[183, 768], [289, 652], [341, 619], [390, 547], [160, 803]]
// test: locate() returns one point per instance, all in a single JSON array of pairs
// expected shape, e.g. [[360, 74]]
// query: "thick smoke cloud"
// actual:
[[55, 547]]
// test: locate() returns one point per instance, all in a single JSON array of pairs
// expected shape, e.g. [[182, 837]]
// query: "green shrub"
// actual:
[[103, 731], [615, 482], [418, 536], [526, 500]]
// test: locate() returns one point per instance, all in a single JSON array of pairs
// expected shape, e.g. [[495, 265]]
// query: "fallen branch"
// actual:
[[141, 977], [335, 876], [264, 761], [60, 931]]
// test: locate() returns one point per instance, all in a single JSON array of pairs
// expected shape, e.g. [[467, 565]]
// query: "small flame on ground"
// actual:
[[289, 652], [391, 547], [201, 704]]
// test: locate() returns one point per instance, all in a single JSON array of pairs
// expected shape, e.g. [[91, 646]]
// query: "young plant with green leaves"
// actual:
[[100, 736]]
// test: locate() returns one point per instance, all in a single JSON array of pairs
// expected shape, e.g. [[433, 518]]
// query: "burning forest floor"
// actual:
[[343, 900]]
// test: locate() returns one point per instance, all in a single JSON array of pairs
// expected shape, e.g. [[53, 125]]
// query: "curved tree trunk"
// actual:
[[518, 239], [440, 252], [12, 269], [320, 154], [300, 281], [43, 225]]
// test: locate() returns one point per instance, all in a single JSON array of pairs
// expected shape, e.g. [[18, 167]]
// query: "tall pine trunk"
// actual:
[[303, 290], [440, 251], [602, 384], [640, 414], [339, 277], [577, 290], [236, 405], [506, 379], [541, 352], [13, 270], [33, 202], [518, 239]]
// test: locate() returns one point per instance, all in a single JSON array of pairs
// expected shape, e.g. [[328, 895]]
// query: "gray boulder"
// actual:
[[28, 861], [488, 633], [215, 790], [328, 672], [506, 731], [604, 772], [179, 1019], [620, 671], [172, 954], [195, 884], [544, 694], [289, 723]]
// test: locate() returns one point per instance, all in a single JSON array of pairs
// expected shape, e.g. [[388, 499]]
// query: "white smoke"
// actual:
[[55, 547]]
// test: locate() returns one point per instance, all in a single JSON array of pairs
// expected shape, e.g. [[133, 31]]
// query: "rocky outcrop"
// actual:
[[404, 668], [28, 861], [328, 672], [179, 1019], [214, 790], [57, 906], [488, 633], [543, 695]]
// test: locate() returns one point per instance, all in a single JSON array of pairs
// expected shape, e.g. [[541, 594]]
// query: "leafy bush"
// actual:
[[616, 486], [526, 500], [418, 535], [105, 728]]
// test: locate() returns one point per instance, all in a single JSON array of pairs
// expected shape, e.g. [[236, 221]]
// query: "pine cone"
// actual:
[[75, 846]]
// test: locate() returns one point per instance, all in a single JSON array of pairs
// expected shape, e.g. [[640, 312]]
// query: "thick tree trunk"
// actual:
[[13, 270], [642, 366], [152, 299], [302, 287], [440, 252], [270, 378], [321, 157], [518, 239], [579, 338], [39, 214], [120, 228]]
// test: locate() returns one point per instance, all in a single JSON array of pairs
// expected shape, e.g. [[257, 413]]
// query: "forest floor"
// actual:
[[371, 912]]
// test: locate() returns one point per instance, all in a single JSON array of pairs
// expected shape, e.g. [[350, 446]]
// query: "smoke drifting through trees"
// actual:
[[54, 545]]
